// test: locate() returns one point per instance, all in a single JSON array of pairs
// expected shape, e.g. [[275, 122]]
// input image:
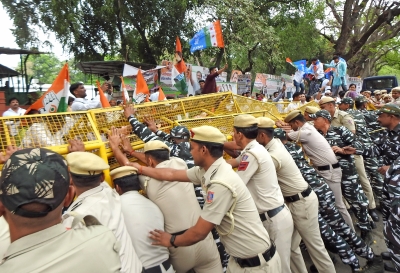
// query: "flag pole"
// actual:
[[226, 61]]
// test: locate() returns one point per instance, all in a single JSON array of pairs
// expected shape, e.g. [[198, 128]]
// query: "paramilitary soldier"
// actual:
[[332, 225], [344, 144], [370, 162], [178, 143]]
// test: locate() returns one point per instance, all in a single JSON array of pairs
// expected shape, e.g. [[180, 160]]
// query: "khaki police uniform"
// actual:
[[180, 208], [142, 215], [304, 210], [56, 249], [341, 118], [231, 208], [4, 236], [103, 203], [255, 168], [323, 160]]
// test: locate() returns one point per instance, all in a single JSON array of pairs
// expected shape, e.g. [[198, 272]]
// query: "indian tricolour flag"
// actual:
[[56, 98], [210, 36]]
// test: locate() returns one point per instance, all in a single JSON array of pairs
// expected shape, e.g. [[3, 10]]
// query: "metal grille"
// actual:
[[223, 123], [311, 103], [249, 105]]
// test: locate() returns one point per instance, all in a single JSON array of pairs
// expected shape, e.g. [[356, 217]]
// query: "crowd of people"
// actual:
[[287, 183]]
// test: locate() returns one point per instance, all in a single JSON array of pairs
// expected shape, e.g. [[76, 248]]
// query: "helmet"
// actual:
[[180, 132]]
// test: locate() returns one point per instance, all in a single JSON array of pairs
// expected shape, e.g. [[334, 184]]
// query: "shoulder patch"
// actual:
[[243, 165], [210, 197], [245, 157]]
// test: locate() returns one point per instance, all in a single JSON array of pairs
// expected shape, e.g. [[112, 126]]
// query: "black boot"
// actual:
[[374, 215], [390, 267], [374, 266], [367, 237]]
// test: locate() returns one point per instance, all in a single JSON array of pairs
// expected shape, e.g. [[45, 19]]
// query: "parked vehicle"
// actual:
[[379, 83]]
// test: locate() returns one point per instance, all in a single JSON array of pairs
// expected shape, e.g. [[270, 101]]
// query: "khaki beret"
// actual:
[[377, 92], [292, 115], [387, 96], [244, 121], [264, 122], [207, 134], [84, 163], [326, 100], [396, 89], [367, 91], [122, 171], [311, 109], [155, 145]]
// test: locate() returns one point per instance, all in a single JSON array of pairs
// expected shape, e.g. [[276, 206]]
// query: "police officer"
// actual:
[[299, 197], [96, 198], [178, 143], [308, 111], [370, 162], [34, 188], [371, 119], [178, 204], [344, 144], [255, 167], [321, 156], [332, 225], [141, 215], [229, 206]]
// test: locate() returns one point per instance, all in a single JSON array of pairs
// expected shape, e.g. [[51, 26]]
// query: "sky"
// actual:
[[8, 40]]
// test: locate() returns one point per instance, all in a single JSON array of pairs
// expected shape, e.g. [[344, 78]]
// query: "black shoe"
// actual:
[[367, 237], [374, 266], [389, 267], [372, 224], [386, 255], [374, 215]]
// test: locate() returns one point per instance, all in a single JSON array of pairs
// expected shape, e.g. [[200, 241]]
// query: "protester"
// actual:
[[210, 85], [81, 103]]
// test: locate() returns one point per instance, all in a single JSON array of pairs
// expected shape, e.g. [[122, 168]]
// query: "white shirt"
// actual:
[[298, 76], [319, 73], [154, 96], [13, 126], [104, 203], [81, 104], [4, 237], [141, 216], [39, 135], [294, 105]]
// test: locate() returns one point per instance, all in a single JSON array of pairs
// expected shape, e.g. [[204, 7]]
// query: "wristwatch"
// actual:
[[172, 241]]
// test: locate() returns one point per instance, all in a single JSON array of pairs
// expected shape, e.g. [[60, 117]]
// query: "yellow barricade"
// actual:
[[249, 105]]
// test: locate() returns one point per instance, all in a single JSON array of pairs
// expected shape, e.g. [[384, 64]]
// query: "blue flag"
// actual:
[[300, 65]]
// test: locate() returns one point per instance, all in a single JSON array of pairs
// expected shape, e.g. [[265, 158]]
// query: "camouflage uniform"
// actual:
[[337, 230], [373, 125], [370, 162], [352, 192], [181, 150], [391, 193]]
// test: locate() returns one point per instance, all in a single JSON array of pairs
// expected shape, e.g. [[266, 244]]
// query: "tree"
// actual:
[[358, 28]]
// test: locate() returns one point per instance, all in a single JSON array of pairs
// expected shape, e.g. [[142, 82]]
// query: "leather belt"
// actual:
[[328, 167], [179, 232], [255, 261], [157, 268], [296, 197], [271, 213]]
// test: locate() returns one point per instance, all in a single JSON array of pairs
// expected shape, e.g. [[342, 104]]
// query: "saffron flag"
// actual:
[[103, 99], [56, 97], [141, 86], [210, 36], [180, 65], [288, 60], [161, 95], [124, 91]]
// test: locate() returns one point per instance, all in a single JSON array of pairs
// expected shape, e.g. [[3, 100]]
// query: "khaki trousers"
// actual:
[[203, 257], [272, 266], [365, 184], [280, 230], [333, 178], [306, 227]]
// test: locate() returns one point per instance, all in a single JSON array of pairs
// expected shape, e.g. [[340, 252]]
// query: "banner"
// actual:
[[56, 97], [227, 87], [243, 84], [234, 75]]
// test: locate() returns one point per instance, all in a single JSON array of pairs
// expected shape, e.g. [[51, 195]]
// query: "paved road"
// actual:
[[378, 246]]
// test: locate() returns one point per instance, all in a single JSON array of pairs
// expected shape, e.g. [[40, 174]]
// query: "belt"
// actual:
[[296, 197], [157, 268], [328, 167], [271, 213], [179, 232], [255, 261]]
